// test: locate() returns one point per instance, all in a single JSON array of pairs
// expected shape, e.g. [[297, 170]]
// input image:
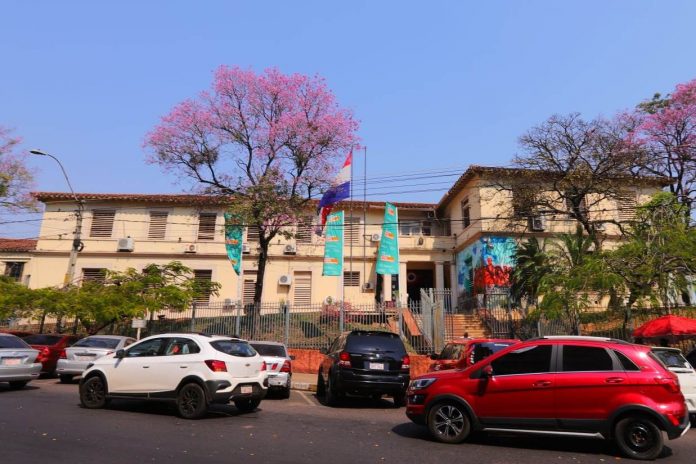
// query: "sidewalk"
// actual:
[[306, 382]]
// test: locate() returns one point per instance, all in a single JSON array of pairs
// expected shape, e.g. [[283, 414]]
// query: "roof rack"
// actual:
[[580, 337]]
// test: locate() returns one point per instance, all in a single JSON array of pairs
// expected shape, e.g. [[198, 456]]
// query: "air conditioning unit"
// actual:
[[285, 279], [190, 248], [376, 237], [537, 223], [125, 244], [290, 249], [246, 249], [600, 226], [368, 286], [430, 214]]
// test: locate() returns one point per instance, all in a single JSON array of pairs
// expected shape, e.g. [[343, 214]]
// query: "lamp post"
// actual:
[[77, 243]]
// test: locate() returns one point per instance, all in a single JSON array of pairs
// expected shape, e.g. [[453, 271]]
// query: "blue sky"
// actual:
[[436, 85]]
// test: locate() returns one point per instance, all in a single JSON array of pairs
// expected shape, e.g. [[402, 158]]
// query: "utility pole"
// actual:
[[77, 244]]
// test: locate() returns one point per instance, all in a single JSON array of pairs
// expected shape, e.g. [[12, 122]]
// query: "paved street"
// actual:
[[45, 420]]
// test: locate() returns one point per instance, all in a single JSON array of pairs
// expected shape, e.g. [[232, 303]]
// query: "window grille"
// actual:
[[102, 223]]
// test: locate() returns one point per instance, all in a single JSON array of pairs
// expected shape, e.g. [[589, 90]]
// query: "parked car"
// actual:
[[50, 347], [365, 362], [17, 361], [278, 365], [568, 386], [691, 357], [17, 333], [192, 370], [673, 359], [464, 352], [75, 359]]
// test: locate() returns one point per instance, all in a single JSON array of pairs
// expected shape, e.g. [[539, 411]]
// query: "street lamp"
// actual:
[[77, 243]]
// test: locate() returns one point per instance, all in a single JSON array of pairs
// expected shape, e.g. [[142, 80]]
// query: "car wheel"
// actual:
[[17, 384], [331, 394], [66, 378], [93, 393], [638, 437], [285, 393], [400, 400], [449, 423], [191, 402], [247, 405], [321, 390]]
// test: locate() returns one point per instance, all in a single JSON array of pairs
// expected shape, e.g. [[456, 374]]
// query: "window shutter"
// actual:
[[252, 234], [304, 231], [94, 275], [351, 231], [158, 225], [302, 284], [466, 213], [249, 284], [627, 206], [206, 226], [102, 223], [351, 279], [203, 277]]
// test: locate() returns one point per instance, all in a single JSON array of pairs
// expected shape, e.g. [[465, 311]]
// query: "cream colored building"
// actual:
[[465, 243]]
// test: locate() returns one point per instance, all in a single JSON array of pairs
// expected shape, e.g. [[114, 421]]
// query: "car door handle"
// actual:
[[146, 367], [542, 383], [614, 380], [183, 367]]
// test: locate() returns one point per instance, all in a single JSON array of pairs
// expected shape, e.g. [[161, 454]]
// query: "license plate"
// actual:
[[245, 390], [83, 357], [11, 361], [377, 366]]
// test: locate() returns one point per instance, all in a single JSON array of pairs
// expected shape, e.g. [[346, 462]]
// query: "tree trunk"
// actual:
[[258, 286]]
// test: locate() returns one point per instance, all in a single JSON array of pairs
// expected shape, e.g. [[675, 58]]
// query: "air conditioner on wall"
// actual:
[[537, 223], [376, 237], [290, 249], [125, 244], [285, 279], [190, 248], [368, 286]]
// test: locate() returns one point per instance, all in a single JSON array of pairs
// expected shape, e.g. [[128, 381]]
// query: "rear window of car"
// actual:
[[269, 350], [10, 341], [94, 342], [370, 341], [40, 339], [673, 359], [234, 348]]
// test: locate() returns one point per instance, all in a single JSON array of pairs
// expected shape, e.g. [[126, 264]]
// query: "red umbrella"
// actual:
[[667, 326]]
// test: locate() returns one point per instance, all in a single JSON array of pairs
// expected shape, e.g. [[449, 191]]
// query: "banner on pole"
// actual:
[[333, 245], [388, 255], [234, 233]]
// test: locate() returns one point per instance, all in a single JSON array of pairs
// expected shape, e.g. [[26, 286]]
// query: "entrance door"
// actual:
[[417, 279]]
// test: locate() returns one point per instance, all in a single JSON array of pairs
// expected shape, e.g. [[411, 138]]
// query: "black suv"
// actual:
[[365, 362]]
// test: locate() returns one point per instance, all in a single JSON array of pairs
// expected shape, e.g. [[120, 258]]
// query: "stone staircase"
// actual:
[[459, 324]]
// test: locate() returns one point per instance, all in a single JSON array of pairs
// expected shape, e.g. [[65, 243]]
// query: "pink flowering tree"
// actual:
[[665, 132], [15, 178], [270, 141]]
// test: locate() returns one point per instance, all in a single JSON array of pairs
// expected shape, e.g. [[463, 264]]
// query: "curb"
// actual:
[[305, 386]]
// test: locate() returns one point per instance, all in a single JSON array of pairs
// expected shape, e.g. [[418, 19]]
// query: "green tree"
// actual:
[[532, 265]]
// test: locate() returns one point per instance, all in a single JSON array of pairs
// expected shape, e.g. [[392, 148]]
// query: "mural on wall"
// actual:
[[486, 265]]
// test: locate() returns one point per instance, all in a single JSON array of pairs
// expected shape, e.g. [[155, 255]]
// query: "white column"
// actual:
[[386, 288], [439, 275], [454, 282], [403, 294]]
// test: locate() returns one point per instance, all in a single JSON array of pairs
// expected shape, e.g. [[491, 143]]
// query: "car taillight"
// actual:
[[287, 367], [216, 366], [263, 366], [344, 359], [405, 363], [43, 353], [671, 383], [62, 355]]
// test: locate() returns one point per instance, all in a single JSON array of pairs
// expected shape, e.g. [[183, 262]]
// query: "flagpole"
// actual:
[[365, 276], [350, 256]]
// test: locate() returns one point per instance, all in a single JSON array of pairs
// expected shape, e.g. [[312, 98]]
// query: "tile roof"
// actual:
[[17, 244]]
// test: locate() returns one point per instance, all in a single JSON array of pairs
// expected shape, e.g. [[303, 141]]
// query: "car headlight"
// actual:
[[419, 384]]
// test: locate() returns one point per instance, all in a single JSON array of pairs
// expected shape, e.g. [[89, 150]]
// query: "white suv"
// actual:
[[193, 370]]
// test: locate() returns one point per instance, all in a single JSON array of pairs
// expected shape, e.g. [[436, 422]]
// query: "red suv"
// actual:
[[578, 386], [464, 352]]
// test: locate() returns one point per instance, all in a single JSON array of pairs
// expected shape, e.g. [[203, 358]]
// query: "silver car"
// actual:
[[85, 351], [278, 365], [17, 364]]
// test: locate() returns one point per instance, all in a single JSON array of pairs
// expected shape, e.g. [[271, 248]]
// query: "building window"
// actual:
[[249, 286], [206, 226], [415, 227], [626, 203], [302, 286], [351, 279], [523, 202], [466, 213], [14, 270], [582, 207], [304, 231], [252, 234], [102, 223], [158, 225], [96, 274], [203, 280], [352, 230]]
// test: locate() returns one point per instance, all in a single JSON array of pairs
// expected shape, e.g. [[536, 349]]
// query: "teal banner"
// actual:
[[234, 232], [333, 247], [388, 255]]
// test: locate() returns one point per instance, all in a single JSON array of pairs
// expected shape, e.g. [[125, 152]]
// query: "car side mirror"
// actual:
[[487, 371], [120, 354], [292, 357]]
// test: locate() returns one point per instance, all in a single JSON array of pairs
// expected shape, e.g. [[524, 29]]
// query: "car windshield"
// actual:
[[10, 341], [672, 359], [98, 342], [234, 348], [367, 341], [42, 339], [265, 349]]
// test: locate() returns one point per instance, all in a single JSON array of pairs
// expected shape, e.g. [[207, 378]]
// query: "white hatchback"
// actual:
[[193, 370], [278, 363], [675, 361]]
